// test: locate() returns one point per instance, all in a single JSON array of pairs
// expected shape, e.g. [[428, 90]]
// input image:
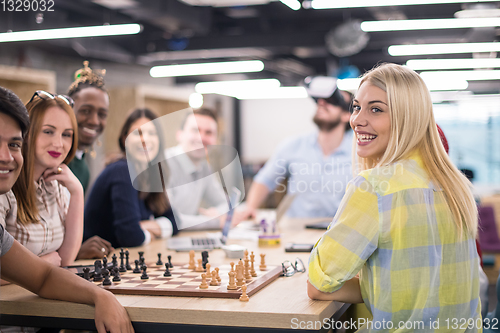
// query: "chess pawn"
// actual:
[[107, 281], [214, 281], [209, 273], [167, 271], [117, 277], [170, 261], [244, 297], [232, 281], [262, 266], [248, 276], [199, 268], [218, 276], [159, 262], [191, 260], [127, 260], [144, 275], [252, 268], [204, 284], [137, 269]]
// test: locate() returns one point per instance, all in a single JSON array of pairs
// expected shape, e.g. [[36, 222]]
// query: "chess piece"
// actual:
[[122, 269], [204, 284], [141, 258], [252, 268], [170, 261], [144, 275], [117, 277], [239, 274], [127, 263], [191, 260], [248, 276], [214, 281], [136, 270], [244, 297], [159, 262], [167, 271], [97, 271], [86, 273], [114, 261], [105, 262], [207, 270], [204, 256], [232, 266], [105, 273], [246, 255], [199, 268], [262, 266], [232, 281], [218, 276]]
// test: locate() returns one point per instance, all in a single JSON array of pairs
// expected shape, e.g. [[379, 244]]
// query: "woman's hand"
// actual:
[[65, 176], [110, 315], [53, 257], [95, 248]]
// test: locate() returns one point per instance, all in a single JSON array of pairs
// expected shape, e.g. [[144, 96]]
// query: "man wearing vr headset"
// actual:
[[317, 165]]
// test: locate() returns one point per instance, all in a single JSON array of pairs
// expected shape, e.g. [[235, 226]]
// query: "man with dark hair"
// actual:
[[317, 165], [197, 205], [35, 274]]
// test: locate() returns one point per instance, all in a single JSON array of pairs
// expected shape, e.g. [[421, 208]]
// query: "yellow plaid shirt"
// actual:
[[395, 229]]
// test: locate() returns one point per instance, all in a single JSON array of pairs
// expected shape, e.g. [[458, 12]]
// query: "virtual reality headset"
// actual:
[[325, 87]]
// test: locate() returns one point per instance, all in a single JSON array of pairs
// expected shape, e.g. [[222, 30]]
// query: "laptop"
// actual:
[[320, 225], [183, 244]]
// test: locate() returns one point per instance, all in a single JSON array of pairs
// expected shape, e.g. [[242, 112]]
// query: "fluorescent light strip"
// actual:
[[432, 64], [327, 4], [293, 4], [433, 84], [450, 48], [95, 31], [207, 68], [232, 88], [401, 25], [278, 93], [477, 75]]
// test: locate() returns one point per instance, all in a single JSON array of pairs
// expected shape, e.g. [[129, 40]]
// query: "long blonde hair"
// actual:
[[413, 128]]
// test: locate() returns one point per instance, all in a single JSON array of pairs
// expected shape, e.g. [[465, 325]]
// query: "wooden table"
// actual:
[[282, 305]]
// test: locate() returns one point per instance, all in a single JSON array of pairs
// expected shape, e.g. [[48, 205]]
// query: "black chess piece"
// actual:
[[115, 261], [144, 275], [105, 262], [170, 261], [141, 256], [97, 271], [107, 281], [136, 269], [159, 262], [122, 264], [204, 257], [86, 273], [127, 263], [117, 277], [167, 271]]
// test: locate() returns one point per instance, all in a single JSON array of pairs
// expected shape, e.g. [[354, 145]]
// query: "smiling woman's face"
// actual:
[[371, 121], [144, 144]]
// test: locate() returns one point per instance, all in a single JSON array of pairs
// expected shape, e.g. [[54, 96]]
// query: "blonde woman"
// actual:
[[408, 221], [44, 210]]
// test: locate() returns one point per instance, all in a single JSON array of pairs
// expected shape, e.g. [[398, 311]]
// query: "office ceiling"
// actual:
[[292, 44]]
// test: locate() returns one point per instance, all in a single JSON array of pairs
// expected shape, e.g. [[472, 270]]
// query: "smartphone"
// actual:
[[294, 247]]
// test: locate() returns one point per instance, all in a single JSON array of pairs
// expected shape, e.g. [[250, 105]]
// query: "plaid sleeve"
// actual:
[[352, 237]]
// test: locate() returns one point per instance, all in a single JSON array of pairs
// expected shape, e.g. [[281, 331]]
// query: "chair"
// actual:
[[488, 234]]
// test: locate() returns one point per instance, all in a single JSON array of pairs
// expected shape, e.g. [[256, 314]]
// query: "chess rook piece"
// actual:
[[137, 269], [127, 263], [105, 273], [232, 281], [159, 262], [167, 271], [214, 281], [244, 297], [117, 277], [122, 263], [262, 266], [199, 268], [170, 261], [144, 275], [191, 260], [252, 268], [204, 284], [86, 273], [218, 276], [239, 274]]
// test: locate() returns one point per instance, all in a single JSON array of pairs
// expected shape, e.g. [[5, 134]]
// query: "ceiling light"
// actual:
[[477, 75], [94, 31], [207, 68], [348, 84], [278, 93], [326, 4], [432, 64], [419, 49], [400, 25], [293, 4], [433, 84], [195, 100], [231, 88]]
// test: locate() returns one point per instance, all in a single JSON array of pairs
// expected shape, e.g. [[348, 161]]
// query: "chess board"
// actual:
[[186, 282]]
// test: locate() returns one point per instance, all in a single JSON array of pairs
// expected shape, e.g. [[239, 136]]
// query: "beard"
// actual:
[[325, 125]]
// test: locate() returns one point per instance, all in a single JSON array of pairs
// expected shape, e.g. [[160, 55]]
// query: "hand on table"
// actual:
[[95, 248], [243, 214], [110, 315]]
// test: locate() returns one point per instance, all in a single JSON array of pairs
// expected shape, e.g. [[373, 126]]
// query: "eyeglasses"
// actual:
[[289, 268], [44, 95]]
